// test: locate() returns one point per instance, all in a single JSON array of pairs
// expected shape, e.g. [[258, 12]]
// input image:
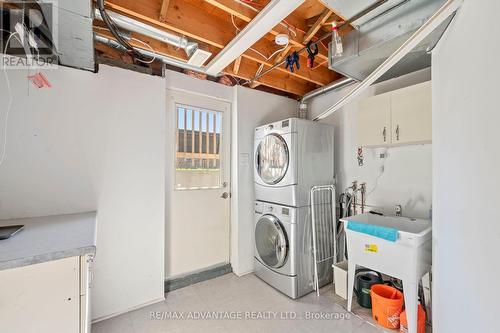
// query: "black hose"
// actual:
[[113, 29]]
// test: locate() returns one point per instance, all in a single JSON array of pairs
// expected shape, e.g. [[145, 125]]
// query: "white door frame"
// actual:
[[180, 96]]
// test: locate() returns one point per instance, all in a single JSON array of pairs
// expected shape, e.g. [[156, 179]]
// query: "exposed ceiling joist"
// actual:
[[268, 17], [283, 54], [317, 25], [164, 9], [188, 20], [246, 14], [237, 64], [277, 80]]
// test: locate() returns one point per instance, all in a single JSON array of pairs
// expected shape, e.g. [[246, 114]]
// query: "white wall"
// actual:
[[466, 227], [252, 108], [407, 175], [93, 141]]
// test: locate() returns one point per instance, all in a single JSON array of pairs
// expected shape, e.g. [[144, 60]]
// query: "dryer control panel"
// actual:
[[281, 212]]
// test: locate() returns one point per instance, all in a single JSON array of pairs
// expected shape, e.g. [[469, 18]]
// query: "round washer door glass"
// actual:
[[271, 241], [272, 159]]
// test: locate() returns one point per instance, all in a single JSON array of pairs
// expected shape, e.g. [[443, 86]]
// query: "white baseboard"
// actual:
[[240, 274], [96, 320]]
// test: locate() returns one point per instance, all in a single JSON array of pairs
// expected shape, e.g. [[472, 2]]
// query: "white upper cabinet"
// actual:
[[374, 121], [399, 117], [411, 110]]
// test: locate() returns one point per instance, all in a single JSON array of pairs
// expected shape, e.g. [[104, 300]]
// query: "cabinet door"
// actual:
[[41, 298], [85, 282], [374, 121], [412, 114]]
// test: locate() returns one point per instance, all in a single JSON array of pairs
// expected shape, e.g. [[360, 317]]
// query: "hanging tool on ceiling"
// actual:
[[312, 51], [292, 61]]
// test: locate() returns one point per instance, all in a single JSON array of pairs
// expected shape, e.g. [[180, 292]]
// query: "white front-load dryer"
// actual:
[[291, 156], [283, 249]]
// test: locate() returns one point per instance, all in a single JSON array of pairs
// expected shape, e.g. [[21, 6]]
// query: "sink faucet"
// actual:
[[399, 210]]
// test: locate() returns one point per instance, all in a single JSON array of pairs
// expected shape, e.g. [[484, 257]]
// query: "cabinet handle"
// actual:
[[384, 133], [397, 133]]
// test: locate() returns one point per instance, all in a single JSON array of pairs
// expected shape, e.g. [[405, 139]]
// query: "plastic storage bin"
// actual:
[[340, 278]]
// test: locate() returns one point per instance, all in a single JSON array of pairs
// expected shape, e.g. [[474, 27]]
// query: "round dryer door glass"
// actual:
[[272, 159], [271, 241]]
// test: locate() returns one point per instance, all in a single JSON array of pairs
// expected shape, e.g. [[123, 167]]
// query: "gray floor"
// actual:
[[247, 300]]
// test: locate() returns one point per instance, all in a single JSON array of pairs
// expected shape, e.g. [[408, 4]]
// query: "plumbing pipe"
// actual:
[[130, 24], [148, 53], [338, 84]]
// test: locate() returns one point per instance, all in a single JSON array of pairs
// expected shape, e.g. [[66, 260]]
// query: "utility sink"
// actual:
[[409, 258], [410, 229]]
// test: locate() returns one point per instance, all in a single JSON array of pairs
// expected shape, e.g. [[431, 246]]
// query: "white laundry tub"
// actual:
[[408, 258]]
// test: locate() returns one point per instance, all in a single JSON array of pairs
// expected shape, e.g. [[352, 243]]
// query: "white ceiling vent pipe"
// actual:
[[150, 31], [150, 54], [341, 83]]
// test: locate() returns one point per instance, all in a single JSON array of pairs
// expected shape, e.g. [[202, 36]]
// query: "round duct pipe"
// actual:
[[129, 24], [167, 60], [303, 106]]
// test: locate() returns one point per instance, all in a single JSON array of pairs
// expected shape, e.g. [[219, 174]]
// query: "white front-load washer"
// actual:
[[291, 156], [283, 249]]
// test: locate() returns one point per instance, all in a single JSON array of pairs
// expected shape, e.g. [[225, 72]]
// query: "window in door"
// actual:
[[198, 154]]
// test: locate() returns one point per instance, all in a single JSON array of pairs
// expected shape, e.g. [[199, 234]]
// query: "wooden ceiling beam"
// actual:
[[246, 14], [277, 80], [317, 25], [188, 20], [164, 9], [246, 71], [237, 64]]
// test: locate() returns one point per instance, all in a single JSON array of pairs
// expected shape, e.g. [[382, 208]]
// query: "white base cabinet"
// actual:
[[400, 117], [50, 297]]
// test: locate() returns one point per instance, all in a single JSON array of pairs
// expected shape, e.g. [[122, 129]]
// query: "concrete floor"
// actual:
[[246, 304]]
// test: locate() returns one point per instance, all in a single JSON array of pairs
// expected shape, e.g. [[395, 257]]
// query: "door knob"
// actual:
[[225, 195]]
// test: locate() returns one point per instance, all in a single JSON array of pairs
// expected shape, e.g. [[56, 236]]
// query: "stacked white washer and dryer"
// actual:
[[291, 156]]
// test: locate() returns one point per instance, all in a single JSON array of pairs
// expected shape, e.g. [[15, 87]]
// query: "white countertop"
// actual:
[[48, 238]]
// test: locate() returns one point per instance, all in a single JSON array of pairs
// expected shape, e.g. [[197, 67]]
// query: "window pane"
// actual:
[[198, 141]]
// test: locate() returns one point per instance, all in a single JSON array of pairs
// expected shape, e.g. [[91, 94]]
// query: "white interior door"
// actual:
[[198, 234]]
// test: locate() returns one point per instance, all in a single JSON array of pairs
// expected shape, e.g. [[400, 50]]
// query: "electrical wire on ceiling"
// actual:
[[261, 67], [251, 4], [114, 30]]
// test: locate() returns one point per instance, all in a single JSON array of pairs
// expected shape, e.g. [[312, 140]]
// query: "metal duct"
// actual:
[[72, 32], [382, 32], [148, 53], [303, 107], [150, 31], [445, 13]]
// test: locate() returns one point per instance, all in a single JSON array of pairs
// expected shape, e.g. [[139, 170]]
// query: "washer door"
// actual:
[[272, 159], [271, 241]]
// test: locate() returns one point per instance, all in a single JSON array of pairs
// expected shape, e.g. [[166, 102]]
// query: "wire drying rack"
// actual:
[[324, 227]]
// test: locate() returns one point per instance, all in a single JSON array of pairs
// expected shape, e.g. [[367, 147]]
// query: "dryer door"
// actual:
[[272, 159], [271, 241]]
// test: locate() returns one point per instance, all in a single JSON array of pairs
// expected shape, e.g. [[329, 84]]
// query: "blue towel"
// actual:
[[389, 234]]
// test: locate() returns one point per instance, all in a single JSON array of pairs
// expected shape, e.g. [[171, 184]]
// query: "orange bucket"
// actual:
[[387, 304], [421, 320]]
